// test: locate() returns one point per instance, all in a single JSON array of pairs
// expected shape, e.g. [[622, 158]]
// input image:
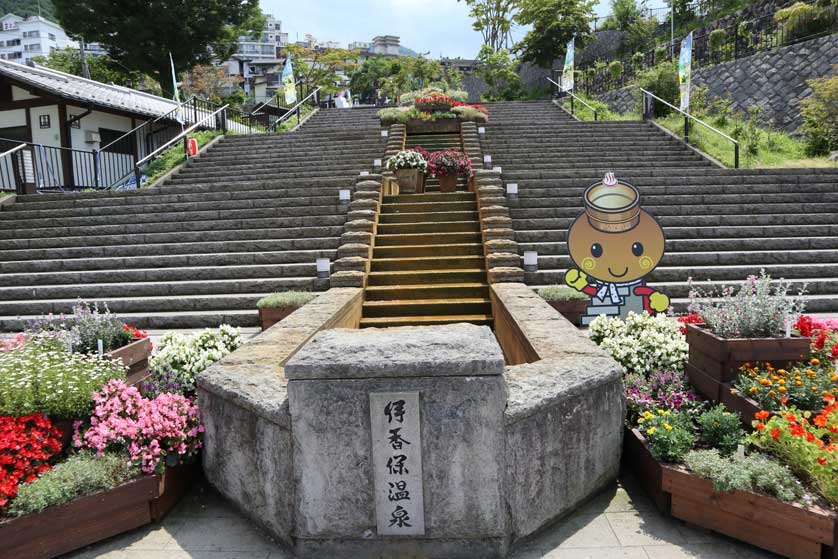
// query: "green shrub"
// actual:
[[81, 474], [174, 156], [669, 434], [754, 473], [662, 80], [471, 114], [721, 429], [561, 293], [662, 54], [282, 299], [590, 73], [752, 134], [42, 376], [717, 39], [615, 69], [820, 116], [637, 60]]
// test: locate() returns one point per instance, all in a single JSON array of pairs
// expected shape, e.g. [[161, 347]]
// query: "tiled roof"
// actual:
[[68, 86]]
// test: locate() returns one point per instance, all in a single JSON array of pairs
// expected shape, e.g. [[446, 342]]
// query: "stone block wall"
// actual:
[[774, 81]]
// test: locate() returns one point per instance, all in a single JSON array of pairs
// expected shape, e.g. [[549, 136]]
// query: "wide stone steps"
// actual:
[[434, 320], [414, 251], [424, 291], [248, 218]]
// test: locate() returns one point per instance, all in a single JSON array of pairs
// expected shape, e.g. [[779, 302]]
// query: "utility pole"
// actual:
[[85, 71], [672, 29]]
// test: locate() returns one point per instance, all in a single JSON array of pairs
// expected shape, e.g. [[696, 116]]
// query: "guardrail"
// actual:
[[572, 97], [649, 113], [34, 167], [296, 110], [9, 171]]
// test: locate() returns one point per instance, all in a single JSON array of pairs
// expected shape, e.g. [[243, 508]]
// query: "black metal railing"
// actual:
[[557, 92], [36, 167], [312, 99], [716, 46], [648, 105], [9, 168]]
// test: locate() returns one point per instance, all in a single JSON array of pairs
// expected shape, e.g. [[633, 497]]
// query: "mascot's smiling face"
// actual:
[[618, 257]]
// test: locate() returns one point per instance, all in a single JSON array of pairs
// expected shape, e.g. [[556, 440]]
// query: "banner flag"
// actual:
[[567, 72], [180, 118], [288, 83], [685, 70]]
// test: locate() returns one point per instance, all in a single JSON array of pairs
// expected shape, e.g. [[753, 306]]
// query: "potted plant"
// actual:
[[277, 306], [436, 103], [744, 326], [447, 165], [569, 302], [410, 168]]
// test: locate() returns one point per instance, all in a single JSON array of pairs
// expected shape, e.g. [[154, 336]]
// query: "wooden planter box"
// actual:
[[448, 183], [788, 529], [441, 126], [719, 359], [135, 357], [269, 317], [84, 521], [648, 472], [572, 310], [411, 181], [173, 485]]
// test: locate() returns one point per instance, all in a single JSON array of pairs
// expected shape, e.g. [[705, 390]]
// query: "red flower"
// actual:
[[822, 461], [27, 445], [820, 341], [760, 426], [762, 415], [775, 434], [834, 351]]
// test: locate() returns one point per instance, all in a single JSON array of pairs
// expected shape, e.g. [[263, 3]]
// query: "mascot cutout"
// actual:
[[614, 245]]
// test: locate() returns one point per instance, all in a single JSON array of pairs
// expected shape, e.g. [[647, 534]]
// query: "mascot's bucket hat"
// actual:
[[612, 206]]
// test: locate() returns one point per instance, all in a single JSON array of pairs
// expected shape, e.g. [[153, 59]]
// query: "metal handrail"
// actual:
[[294, 110], [149, 123], [180, 136], [687, 118], [277, 92], [572, 97], [13, 150]]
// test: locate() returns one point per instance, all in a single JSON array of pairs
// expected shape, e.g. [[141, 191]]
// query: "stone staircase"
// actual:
[[428, 265], [721, 224], [246, 219], [437, 142]]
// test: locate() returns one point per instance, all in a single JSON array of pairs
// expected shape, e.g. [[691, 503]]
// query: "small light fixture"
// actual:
[[487, 160], [481, 130], [365, 173], [344, 194], [385, 133], [512, 190], [324, 266], [497, 169], [376, 163], [530, 261]]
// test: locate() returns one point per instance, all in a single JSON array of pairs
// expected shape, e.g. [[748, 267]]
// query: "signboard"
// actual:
[[288, 86], [567, 72], [685, 70], [397, 463]]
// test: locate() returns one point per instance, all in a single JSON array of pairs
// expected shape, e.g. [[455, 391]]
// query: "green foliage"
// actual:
[[637, 60], [553, 23], [471, 114], [285, 299], [638, 36], [669, 434], [493, 19], [721, 429], [26, 8], [368, 79], [754, 473], [561, 293], [615, 68], [322, 67], [81, 474], [625, 12], [102, 68], [717, 39], [142, 35], [604, 112], [174, 156], [499, 71], [42, 376], [662, 54], [662, 80], [820, 116]]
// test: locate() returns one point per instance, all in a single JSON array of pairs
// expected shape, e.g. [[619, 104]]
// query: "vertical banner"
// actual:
[[288, 83], [176, 97], [567, 72], [685, 70]]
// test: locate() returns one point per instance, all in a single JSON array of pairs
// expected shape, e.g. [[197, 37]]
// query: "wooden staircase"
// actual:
[[428, 265]]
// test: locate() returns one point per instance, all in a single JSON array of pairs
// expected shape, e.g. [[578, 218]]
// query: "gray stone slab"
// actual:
[[409, 351]]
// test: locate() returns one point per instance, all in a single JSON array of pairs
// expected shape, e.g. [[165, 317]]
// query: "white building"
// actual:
[[22, 39], [388, 45], [360, 45]]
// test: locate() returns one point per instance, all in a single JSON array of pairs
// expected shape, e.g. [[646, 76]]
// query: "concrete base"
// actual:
[[402, 549]]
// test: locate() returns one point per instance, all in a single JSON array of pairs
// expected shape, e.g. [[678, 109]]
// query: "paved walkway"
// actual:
[[620, 523]]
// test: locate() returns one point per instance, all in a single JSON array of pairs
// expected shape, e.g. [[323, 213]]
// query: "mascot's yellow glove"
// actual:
[[577, 279], [659, 302]]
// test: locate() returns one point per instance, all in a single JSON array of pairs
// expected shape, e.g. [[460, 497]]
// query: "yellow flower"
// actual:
[[640, 420], [648, 415], [782, 390], [807, 414], [667, 426], [734, 391], [753, 390], [815, 361], [650, 431]]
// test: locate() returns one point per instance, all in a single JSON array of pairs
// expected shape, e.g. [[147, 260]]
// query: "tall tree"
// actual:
[[554, 23], [140, 34], [102, 68], [322, 67], [210, 82], [493, 18], [369, 78], [625, 12], [499, 72], [26, 8]]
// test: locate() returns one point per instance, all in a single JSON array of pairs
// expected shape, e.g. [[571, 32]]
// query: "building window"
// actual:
[[43, 121], [124, 146], [51, 37]]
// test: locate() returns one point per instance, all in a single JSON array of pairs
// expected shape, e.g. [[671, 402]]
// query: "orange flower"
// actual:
[[761, 415], [760, 426], [815, 361], [775, 434], [784, 400]]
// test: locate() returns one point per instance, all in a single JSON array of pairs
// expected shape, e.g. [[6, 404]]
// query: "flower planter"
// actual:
[[448, 183], [638, 460], [720, 358], [439, 126], [269, 317], [411, 181], [173, 484], [788, 529], [572, 309], [135, 357], [65, 426], [83, 521]]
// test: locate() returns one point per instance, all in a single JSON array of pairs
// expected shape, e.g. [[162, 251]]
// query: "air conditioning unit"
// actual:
[[92, 136]]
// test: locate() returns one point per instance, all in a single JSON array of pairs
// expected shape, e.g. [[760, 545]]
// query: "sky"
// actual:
[[438, 27]]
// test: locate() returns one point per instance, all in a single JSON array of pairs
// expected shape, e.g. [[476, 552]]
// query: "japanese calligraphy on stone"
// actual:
[[397, 463]]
